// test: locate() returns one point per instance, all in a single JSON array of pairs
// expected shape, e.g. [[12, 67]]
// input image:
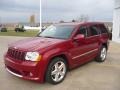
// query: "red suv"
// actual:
[[56, 50]]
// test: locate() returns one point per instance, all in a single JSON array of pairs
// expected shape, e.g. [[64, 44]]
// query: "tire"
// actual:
[[59, 73], [102, 54]]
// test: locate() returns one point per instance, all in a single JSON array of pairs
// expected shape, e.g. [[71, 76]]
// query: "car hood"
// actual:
[[36, 43]]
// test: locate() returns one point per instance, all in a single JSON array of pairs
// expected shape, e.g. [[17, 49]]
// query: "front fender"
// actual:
[[47, 57], [53, 53]]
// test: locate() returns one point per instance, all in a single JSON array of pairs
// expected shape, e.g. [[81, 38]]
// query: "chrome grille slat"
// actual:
[[16, 54]]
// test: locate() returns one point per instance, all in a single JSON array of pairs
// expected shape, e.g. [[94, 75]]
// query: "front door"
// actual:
[[80, 49]]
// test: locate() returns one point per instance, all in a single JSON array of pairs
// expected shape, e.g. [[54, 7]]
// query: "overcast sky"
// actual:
[[19, 10], [97, 10]]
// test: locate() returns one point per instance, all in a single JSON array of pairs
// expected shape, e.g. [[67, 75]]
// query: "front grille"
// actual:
[[16, 54]]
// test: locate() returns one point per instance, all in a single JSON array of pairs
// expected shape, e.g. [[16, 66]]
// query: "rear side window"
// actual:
[[93, 30], [103, 29]]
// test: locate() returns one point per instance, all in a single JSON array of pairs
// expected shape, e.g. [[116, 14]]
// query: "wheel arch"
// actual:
[[105, 44], [60, 55]]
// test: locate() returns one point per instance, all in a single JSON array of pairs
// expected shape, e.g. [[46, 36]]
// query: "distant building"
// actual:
[[32, 19], [116, 22]]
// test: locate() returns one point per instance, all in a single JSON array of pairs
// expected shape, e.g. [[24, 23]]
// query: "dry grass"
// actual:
[[29, 33]]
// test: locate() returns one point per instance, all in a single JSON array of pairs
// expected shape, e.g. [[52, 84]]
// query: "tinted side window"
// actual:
[[93, 30], [82, 30], [103, 29]]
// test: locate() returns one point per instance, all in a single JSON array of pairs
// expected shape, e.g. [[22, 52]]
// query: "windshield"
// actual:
[[61, 32]]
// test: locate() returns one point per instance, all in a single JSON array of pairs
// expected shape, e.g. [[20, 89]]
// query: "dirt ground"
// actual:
[[91, 76]]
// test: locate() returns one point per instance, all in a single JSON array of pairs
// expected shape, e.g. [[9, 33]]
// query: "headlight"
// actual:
[[33, 56]]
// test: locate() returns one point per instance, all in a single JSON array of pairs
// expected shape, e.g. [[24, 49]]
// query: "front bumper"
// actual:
[[20, 76], [26, 70]]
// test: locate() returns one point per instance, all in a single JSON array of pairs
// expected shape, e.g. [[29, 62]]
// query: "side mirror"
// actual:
[[79, 37]]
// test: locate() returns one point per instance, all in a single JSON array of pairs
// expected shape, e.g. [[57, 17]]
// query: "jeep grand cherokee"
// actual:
[[57, 49]]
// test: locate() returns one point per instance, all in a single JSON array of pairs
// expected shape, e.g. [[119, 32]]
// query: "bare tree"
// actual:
[[83, 18]]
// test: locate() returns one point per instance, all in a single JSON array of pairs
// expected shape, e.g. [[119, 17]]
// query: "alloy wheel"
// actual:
[[58, 71]]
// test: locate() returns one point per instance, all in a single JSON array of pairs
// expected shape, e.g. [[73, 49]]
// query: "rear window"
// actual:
[[103, 29]]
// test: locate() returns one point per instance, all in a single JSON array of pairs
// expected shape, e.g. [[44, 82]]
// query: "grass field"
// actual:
[[30, 33]]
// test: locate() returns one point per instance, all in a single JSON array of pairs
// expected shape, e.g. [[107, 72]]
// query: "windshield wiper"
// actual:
[[51, 37], [48, 37]]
